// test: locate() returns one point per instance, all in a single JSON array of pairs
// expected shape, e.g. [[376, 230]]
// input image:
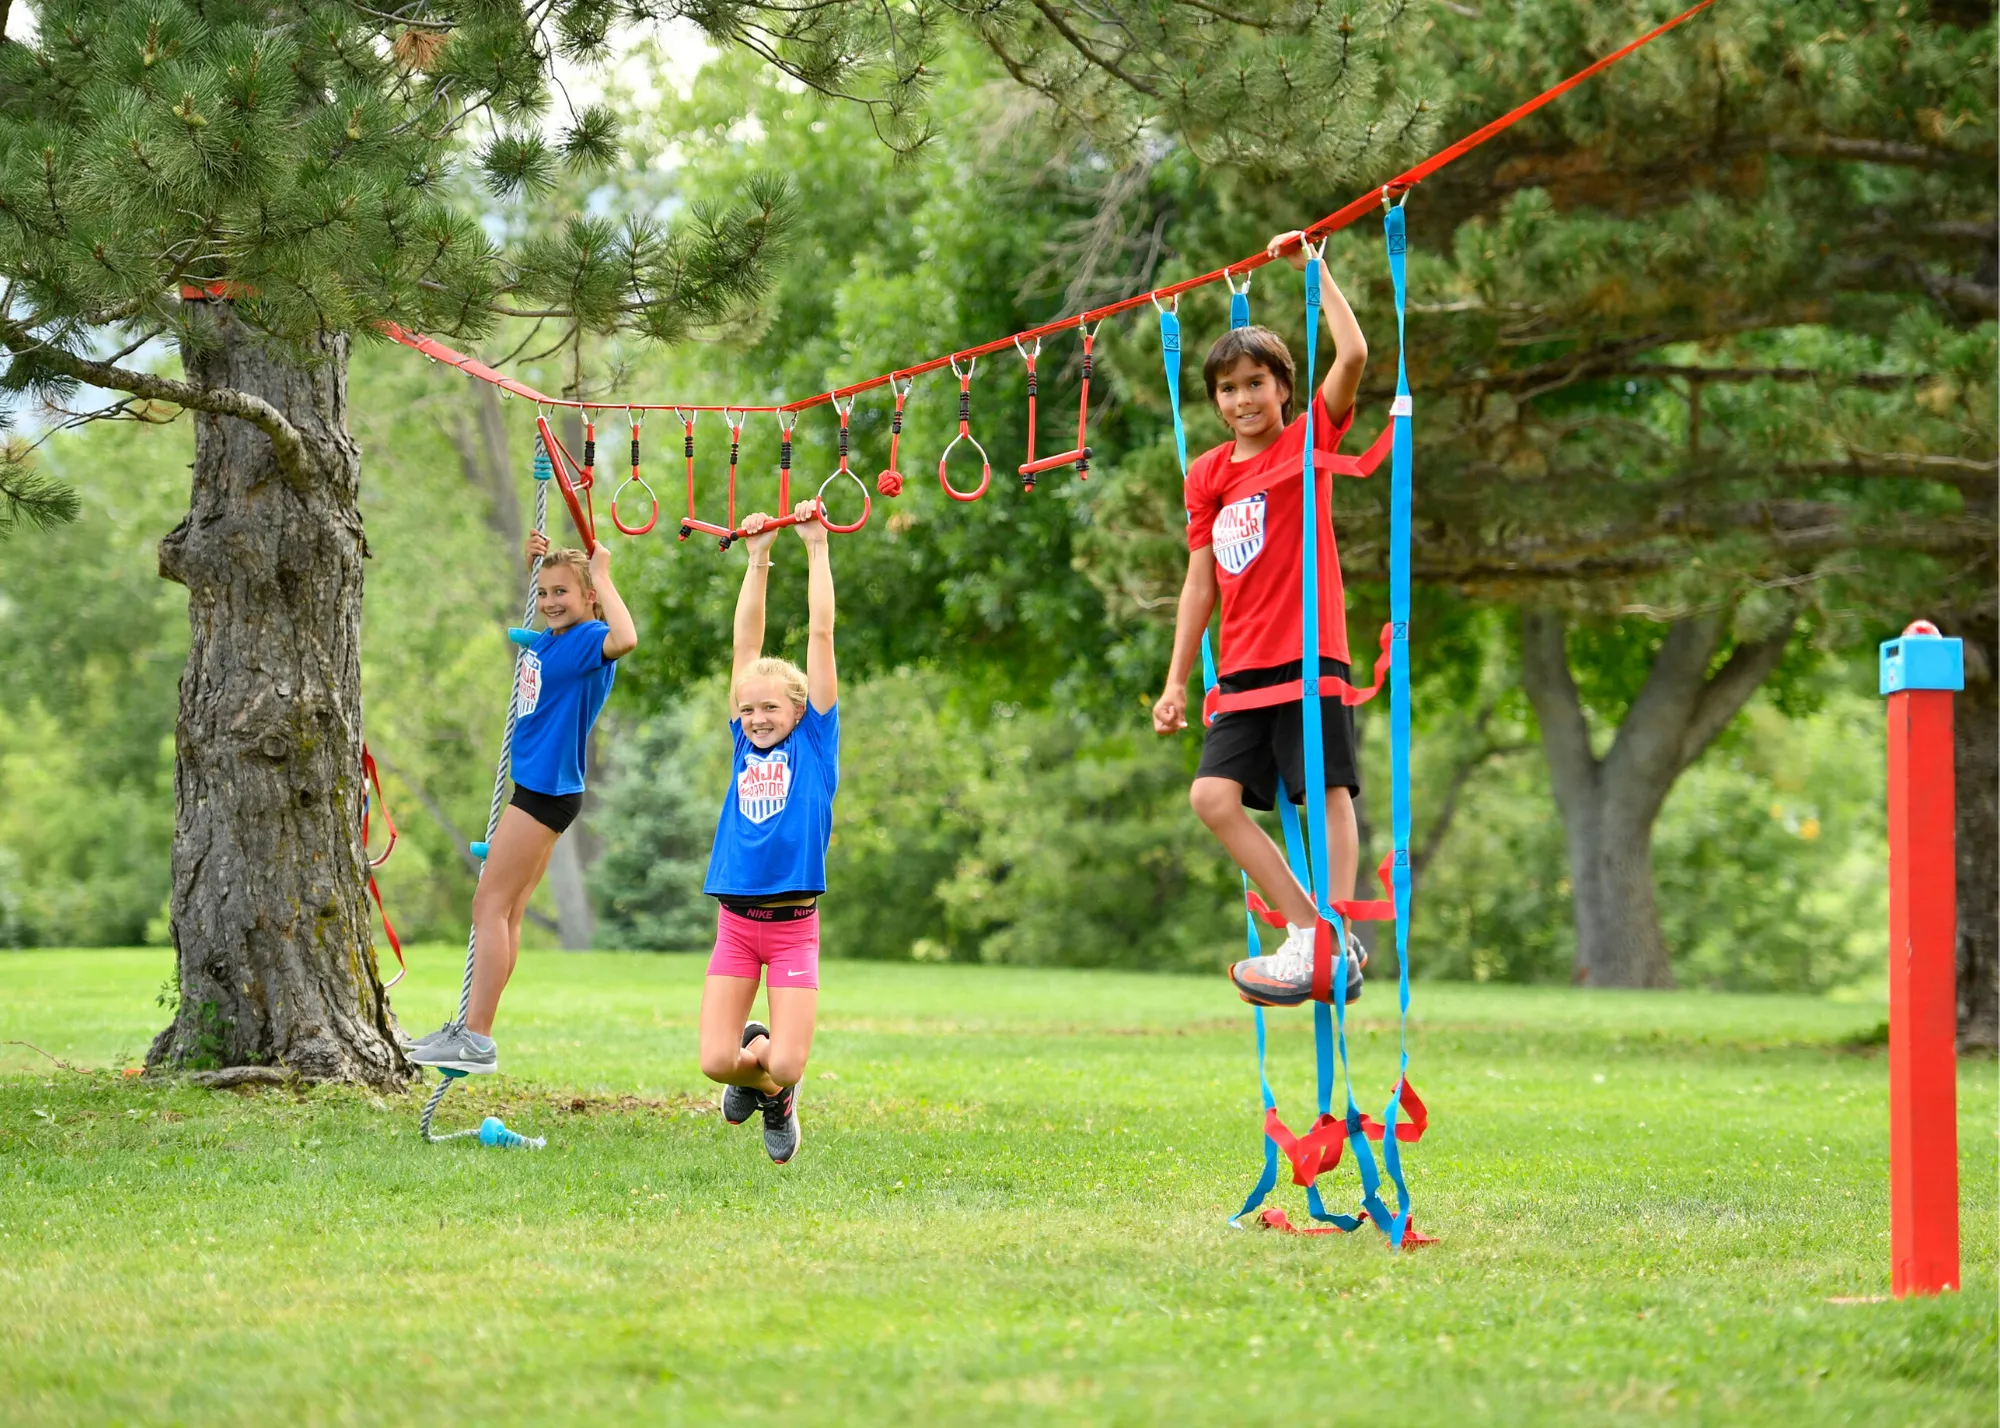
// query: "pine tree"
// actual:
[[256, 187]]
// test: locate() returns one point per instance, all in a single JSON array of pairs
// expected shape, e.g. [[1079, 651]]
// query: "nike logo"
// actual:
[[800, 973]]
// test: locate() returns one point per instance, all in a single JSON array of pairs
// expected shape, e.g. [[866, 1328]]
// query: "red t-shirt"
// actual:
[[1252, 513]]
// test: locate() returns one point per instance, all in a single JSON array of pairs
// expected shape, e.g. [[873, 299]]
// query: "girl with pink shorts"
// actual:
[[768, 867]]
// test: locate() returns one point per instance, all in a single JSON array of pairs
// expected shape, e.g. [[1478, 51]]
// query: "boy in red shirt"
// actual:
[[1244, 534]]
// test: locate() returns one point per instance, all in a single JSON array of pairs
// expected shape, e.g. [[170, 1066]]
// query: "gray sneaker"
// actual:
[[453, 1049], [739, 1103], [782, 1136], [428, 1037]]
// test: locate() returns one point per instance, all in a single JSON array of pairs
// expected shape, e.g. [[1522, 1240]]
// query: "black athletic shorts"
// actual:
[[1256, 746], [554, 811]]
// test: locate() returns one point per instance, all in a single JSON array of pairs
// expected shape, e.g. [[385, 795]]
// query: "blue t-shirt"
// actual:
[[559, 687], [778, 816]]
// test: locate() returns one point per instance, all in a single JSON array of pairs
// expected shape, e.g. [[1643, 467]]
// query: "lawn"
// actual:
[[1009, 1209]]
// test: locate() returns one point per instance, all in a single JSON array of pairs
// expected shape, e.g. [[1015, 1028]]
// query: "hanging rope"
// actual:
[[544, 469]]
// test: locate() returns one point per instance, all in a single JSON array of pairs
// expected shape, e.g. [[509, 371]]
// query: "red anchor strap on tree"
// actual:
[[890, 482], [635, 479], [964, 375], [1080, 454], [1215, 702], [372, 779]]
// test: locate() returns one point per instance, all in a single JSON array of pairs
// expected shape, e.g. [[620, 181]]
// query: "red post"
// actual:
[[1919, 673]]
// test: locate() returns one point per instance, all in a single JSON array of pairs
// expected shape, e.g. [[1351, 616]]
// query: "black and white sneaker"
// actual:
[[739, 1103], [781, 1125]]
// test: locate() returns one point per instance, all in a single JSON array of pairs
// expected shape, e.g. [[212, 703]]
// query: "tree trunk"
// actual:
[[1608, 805], [269, 913], [1976, 733]]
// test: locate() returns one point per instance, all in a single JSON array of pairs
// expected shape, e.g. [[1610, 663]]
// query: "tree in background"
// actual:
[[1708, 343]]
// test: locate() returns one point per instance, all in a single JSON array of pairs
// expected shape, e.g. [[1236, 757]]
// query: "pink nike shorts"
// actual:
[[744, 947]]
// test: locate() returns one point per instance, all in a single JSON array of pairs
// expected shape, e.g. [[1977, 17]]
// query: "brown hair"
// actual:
[[1260, 345], [783, 670], [578, 561]]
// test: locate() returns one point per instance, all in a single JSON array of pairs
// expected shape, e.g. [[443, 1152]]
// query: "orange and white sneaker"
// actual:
[[1284, 978]]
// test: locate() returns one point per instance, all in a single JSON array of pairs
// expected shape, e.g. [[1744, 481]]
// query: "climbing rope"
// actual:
[[544, 468]]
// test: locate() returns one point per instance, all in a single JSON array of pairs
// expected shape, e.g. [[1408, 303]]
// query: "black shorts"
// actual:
[[554, 811], [1257, 746]]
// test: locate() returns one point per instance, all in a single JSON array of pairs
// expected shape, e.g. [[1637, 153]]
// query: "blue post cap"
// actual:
[[543, 471], [479, 851], [1921, 658], [525, 638]]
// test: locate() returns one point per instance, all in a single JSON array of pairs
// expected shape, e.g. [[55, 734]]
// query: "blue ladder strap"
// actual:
[[1269, 1179], [1170, 359], [1239, 306], [1400, 503]]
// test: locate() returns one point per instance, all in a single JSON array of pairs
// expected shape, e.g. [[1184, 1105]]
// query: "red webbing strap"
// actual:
[[1375, 909], [374, 778], [1313, 1153], [1275, 1219], [565, 464], [1410, 1125], [1216, 702], [1362, 466]]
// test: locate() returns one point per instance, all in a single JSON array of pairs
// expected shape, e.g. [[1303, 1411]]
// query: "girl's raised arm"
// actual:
[[822, 680], [750, 600]]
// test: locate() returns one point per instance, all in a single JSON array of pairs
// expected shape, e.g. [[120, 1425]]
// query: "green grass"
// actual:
[[1009, 1208]]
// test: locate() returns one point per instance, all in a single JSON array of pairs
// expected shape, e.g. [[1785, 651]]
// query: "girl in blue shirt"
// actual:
[[560, 685], [768, 867]]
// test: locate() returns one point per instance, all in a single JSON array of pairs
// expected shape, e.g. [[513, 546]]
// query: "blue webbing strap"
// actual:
[[1239, 306], [1269, 1178], [1400, 497], [1170, 358]]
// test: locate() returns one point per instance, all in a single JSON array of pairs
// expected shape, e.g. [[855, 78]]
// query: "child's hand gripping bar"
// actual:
[[1081, 454]]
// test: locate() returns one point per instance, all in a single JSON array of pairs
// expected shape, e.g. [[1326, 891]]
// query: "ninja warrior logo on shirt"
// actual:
[[1238, 533], [763, 786], [527, 686]]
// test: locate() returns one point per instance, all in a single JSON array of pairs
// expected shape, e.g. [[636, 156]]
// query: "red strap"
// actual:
[[1275, 1219], [1216, 702], [1269, 915], [374, 778], [1410, 1125], [1362, 466], [1378, 909], [1313, 1153], [1323, 960]]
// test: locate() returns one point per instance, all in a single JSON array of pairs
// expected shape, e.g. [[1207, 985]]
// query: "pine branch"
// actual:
[[27, 497], [287, 446]]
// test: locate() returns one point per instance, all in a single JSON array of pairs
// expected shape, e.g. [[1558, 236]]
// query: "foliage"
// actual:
[[1010, 1210], [94, 643]]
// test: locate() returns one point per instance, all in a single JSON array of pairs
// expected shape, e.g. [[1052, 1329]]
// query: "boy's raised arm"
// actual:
[[1350, 348]]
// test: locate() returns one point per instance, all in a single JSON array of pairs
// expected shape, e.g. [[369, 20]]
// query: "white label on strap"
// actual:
[[1401, 406]]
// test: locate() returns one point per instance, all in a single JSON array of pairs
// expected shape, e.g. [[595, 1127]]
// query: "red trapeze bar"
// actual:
[[1332, 223]]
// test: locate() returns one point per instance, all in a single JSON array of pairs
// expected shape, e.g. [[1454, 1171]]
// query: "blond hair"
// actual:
[[579, 561], [782, 670]]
